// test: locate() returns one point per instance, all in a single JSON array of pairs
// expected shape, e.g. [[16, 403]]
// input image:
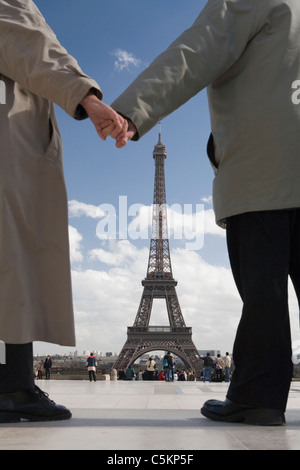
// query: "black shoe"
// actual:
[[30, 405], [230, 412]]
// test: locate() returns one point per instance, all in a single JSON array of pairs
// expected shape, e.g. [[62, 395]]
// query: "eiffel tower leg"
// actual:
[[173, 307], [181, 344], [126, 356], [193, 360], [145, 307]]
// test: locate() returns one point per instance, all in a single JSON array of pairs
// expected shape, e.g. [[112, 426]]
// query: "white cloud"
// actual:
[[106, 300], [185, 223], [207, 199], [78, 209], [119, 254], [125, 60], [75, 239], [209, 300], [210, 226]]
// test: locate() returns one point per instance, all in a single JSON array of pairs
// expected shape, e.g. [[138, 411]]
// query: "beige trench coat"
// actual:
[[36, 71], [246, 53]]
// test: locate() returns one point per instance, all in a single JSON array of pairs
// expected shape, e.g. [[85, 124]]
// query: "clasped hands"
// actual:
[[108, 122]]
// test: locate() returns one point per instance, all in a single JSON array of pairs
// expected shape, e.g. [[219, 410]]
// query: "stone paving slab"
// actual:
[[146, 416]]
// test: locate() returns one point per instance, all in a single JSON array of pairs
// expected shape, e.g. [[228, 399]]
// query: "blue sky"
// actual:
[[113, 41]]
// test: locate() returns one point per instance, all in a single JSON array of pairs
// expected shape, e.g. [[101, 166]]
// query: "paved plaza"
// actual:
[[121, 415]]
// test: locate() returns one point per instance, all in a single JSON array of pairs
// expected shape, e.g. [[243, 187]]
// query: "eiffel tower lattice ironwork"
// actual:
[[159, 284]]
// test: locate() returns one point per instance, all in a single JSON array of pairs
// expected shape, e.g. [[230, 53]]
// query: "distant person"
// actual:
[[167, 366], [182, 376], [191, 376], [220, 365], [121, 374], [161, 376], [172, 365], [129, 373], [207, 369], [47, 367], [91, 364], [150, 368], [40, 370], [227, 367]]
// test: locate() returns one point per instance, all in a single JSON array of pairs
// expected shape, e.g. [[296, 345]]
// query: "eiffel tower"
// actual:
[[159, 284]]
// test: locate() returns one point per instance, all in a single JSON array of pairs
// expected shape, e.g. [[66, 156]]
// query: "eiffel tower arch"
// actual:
[[159, 284]]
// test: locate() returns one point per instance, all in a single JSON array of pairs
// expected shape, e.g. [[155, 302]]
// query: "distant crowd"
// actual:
[[44, 368], [216, 369]]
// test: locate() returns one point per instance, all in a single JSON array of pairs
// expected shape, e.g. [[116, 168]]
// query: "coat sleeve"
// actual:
[[198, 57], [31, 55]]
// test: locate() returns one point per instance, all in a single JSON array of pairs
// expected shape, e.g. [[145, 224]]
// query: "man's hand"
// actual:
[[123, 137], [104, 117]]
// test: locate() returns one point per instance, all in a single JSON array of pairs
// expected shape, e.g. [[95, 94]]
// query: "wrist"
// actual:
[[89, 99]]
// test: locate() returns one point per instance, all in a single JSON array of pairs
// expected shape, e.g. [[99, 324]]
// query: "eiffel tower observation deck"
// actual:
[[159, 284]]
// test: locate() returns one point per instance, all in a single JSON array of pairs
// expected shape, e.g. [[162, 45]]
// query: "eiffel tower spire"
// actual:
[[159, 258], [159, 284]]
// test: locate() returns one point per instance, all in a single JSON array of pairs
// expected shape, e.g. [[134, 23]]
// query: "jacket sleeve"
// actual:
[[198, 57], [31, 55]]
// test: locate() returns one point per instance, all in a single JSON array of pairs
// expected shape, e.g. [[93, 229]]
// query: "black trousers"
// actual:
[[92, 375], [17, 373], [264, 250]]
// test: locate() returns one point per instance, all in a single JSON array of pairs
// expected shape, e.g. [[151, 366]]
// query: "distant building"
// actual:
[[212, 352]]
